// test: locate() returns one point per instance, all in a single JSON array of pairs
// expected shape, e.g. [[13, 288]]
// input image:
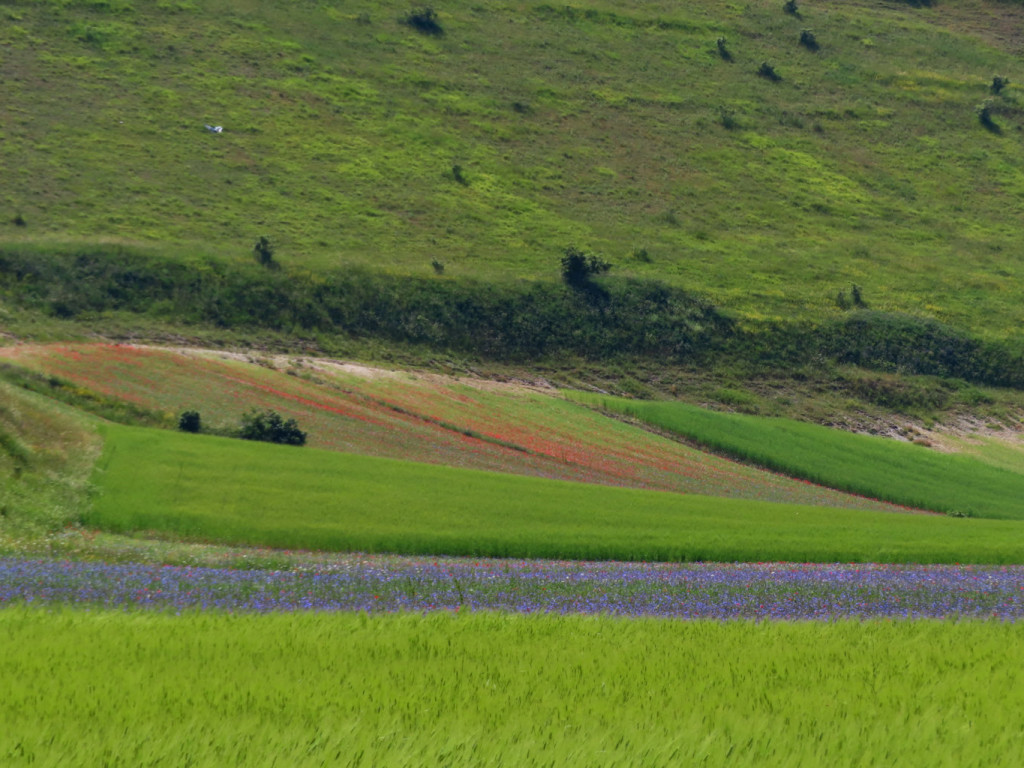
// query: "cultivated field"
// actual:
[[231, 491], [899, 472], [208, 689]]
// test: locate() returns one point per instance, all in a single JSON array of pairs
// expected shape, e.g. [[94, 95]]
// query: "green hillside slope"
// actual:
[[47, 453], [350, 137]]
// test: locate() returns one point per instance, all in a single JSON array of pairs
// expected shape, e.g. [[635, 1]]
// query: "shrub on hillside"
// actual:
[[727, 117], [424, 20], [998, 83], [269, 427], [264, 252], [808, 40], [189, 421], [723, 51], [984, 113], [578, 268], [767, 71]]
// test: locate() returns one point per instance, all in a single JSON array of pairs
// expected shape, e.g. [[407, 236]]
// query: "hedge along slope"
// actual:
[[506, 320], [232, 491], [880, 468]]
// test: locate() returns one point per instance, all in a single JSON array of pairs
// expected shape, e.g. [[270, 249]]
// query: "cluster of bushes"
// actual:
[[264, 426], [583, 314], [267, 426]]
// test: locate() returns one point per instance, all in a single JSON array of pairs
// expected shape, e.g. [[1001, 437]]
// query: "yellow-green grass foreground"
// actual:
[[232, 491], [207, 689]]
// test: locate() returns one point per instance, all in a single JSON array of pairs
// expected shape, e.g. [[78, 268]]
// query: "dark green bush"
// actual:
[[723, 50], [578, 268], [424, 20], [270, 427], [767, 71], [189, 421], [727, 117], [264, 252], [984, 113]]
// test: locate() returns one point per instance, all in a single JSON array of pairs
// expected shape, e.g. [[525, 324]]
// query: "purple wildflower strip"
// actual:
[[370, 583]]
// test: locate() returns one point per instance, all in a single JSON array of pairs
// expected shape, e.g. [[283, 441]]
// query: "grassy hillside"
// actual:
[[46, 457], [233, 491], [352, 138]]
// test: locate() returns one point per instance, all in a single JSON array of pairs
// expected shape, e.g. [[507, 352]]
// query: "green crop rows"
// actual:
[[897, 472]]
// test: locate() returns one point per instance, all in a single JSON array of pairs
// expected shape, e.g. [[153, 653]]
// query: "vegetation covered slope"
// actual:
[[46, 457], [440, 420], [712, 145]]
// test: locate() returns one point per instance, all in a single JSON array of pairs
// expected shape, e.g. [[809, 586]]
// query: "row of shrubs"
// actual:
[[511, 320], [604, 318]]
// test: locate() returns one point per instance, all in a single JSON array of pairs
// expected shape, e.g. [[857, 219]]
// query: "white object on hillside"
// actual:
[[215, 128]]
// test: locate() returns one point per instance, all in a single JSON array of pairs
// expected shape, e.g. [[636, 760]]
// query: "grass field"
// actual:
[[230, 491], [352, 139], [119, 688], [899, 472]]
